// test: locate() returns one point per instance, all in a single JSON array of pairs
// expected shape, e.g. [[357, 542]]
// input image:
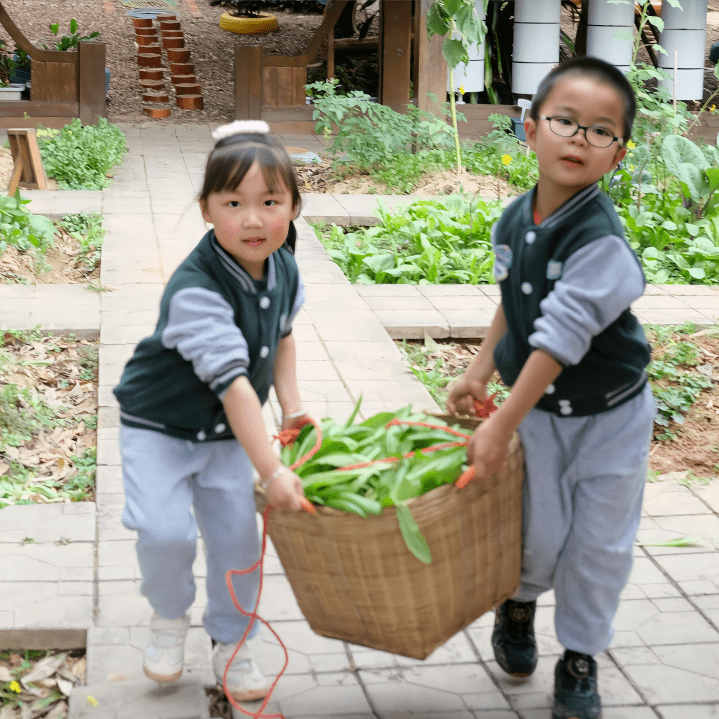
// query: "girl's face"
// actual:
[[569, 164], [251, 222]]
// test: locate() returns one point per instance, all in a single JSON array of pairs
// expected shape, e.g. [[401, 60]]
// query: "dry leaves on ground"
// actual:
[[48, 417], [40, 687]]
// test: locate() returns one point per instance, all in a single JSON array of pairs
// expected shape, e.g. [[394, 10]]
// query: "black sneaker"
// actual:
[[575, 688], [515, 647]]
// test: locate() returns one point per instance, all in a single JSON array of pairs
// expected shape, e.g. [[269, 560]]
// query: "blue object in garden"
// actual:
[[151, 12], [518, 122], [714, 53]]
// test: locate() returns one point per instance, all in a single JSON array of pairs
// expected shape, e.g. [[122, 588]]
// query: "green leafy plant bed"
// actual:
[[48, 418], [82, 157], [35, 683], [684, 374], [429, 242], [33, 249], [386, 151]]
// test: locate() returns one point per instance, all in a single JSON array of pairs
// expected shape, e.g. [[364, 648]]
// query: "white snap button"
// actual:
[[220, 428], [530, 237], [264, 352], [201, 435], [526, 288], [565, 410], [550, 389], [564, 403], [264, 302]]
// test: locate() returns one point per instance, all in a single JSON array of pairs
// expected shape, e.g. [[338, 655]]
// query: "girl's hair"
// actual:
[[598, 70], [231, 158]]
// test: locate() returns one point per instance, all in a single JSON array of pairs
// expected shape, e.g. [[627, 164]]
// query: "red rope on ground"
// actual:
[[287, 437]]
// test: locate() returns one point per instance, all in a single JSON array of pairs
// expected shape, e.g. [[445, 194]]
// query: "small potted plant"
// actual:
[[9, 91], [21, 72], [246, 17]]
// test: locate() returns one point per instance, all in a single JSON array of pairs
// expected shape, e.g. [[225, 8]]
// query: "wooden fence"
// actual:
[[64, 85]]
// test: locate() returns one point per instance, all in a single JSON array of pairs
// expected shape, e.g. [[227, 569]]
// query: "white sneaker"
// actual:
[[245, 681], [165, 650]]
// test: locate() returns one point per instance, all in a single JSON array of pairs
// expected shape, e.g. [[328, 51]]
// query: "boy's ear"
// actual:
[[530, 132], [621, 154]]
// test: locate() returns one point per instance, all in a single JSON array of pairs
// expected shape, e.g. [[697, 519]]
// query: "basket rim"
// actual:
[[331, 512]]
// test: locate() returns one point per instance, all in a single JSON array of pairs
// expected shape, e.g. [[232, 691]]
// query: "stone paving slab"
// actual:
[[138, 699]]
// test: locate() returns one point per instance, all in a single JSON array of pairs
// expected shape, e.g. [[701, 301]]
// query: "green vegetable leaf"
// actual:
[[679, 542], [413, 538]]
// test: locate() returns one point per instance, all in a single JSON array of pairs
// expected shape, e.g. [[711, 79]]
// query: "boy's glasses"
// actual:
[[595, 134]]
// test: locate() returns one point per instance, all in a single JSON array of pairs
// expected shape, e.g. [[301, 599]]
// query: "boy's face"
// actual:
[[251, 222], [572, 163]]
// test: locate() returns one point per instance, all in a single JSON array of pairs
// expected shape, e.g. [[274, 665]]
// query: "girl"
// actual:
[[191, 398]]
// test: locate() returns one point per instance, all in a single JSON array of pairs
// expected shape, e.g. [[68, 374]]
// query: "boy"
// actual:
[[565, 340]]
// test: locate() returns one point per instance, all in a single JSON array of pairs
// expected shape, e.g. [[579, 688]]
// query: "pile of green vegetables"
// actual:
[[367, 490]]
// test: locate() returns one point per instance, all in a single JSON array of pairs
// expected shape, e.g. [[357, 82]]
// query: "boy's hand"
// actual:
[[487, 448], [285, 492], [462, 394]]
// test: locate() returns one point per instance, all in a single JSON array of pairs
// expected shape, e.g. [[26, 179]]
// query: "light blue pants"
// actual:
[[584, 483], [165, 478]]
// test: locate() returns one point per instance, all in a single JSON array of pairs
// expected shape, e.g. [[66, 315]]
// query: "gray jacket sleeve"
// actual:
[[202, 329], [598, 283]]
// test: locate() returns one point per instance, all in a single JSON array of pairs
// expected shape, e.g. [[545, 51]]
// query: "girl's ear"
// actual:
[[530, 131], [205, 213]]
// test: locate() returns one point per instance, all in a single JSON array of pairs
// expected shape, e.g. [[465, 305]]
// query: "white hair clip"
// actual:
[[240, 127]]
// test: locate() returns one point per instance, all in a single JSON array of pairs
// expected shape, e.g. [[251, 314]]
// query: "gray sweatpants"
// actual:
[[165, 478], [583, 492]]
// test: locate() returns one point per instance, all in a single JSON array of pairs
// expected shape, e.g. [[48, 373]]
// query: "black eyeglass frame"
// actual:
[[581, 127]]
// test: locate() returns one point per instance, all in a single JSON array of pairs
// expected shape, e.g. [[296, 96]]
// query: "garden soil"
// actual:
[[693, 446]]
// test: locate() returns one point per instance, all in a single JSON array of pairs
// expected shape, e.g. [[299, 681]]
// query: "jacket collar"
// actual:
[[573, 204]]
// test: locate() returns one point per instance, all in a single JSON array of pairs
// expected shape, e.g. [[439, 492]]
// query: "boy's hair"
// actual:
[[231, 158], [600, 71]]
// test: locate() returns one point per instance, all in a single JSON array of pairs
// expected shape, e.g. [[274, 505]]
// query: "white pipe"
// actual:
[[606, 22], [536, 43], [684, 36]]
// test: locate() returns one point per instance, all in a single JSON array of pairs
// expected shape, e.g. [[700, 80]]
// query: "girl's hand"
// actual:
[[487, 448], [463, 393], [296, 422], [285, 491]]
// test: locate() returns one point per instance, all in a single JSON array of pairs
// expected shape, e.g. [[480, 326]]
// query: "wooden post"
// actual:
[[91, 81], [395, 53], [28, 167], [430, 67], [248, 82]]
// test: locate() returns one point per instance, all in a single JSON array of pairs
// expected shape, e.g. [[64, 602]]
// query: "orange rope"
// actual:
[[287, 437]]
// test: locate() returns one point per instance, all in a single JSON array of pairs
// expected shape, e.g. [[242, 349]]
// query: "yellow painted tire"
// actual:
[[248, 25]]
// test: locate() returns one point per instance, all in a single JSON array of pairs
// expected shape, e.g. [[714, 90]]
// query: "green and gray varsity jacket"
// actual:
[[567, 285], [216, 323]]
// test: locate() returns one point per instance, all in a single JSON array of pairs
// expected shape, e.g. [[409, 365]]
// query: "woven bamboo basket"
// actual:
[[355, 579]]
